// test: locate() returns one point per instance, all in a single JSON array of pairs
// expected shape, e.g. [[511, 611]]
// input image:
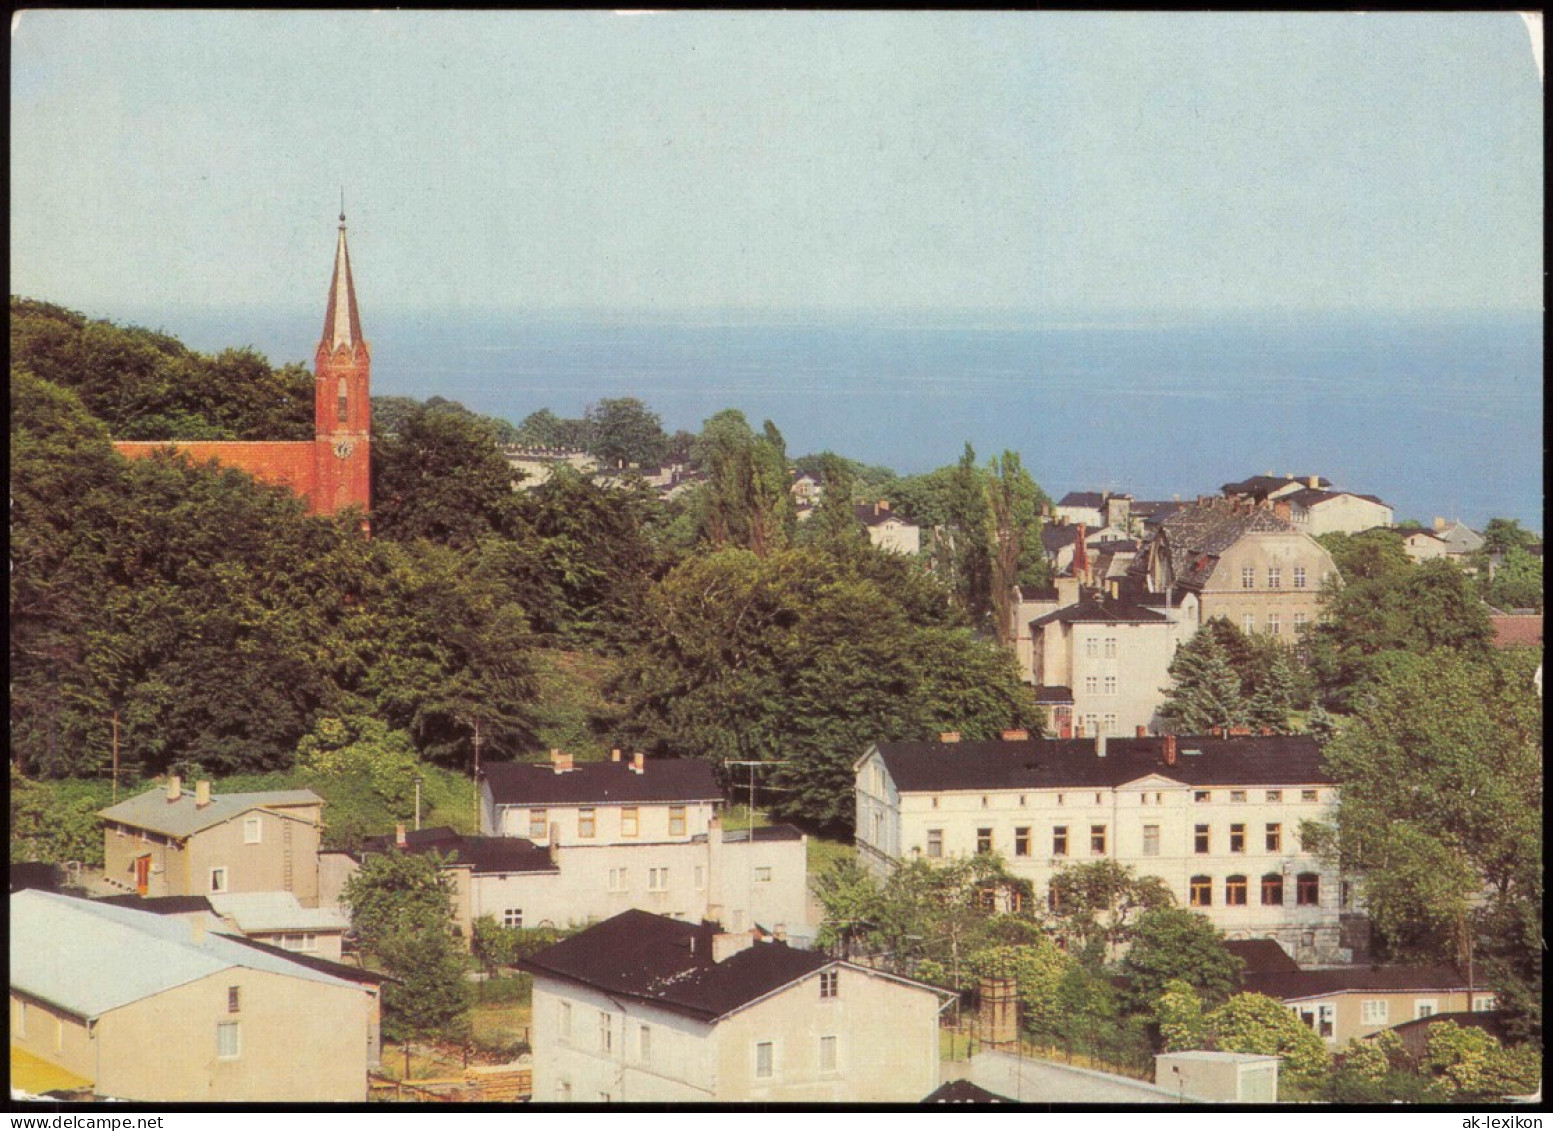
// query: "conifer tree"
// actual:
[[1269, 708], [1207, 691]]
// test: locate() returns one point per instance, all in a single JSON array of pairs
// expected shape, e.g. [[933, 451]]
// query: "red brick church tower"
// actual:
[[332, 471]]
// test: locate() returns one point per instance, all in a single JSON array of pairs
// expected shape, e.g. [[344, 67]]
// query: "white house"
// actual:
[[888, 530], [646, 1009], [1217, 819], [1317, 512]]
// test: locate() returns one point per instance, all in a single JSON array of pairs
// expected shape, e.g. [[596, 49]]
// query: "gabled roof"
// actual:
[[668, 963], [88, 957], [1261, 956], [274, 911], [1306, 497], [183, 817], [28, 874], [1198, 535], [871, 514], [1082, 499], [1054, 537], [602, 783], [1036, 593], [161, 904], [1263, 485], [1055, 763], [484, 854], [964, 1092], [1092, 610], [1288, 985]]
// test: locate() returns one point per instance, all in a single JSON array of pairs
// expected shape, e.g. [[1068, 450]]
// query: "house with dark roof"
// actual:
[[1261, 488], [1240, 561], [1424, 545], [1216, 818], [645, 1009], [1343, 1002], [154, 1008], [571, 842], [172, 842], [888, 530], [1316, 511]]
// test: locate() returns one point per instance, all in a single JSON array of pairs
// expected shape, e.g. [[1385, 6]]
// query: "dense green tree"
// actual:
[[1467, 1064], [56, 825], [1094, 907], [1269, 705], [1440, 816], [746, 502], [442, 477], [1041, 972], [1515, 582], [834, 522], [1178, 1015], [625, 433], [1207, 692], [1368, 555], [1256, 1023], [1429, 606], [1014, 506], [544, 429], [804, 658], [1173, 944], [969, 529], [1502, 535]]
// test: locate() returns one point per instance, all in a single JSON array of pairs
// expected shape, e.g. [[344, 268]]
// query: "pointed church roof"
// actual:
[[342, 323]]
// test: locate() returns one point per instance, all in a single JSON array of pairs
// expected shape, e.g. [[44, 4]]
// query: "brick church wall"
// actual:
[[282, 463]]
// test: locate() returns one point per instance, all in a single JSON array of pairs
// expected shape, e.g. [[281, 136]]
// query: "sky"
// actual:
[[681, 164]]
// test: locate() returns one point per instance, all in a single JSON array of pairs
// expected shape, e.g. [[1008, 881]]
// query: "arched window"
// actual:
[[1272, 890], [1235, 891], [1201, 894], [1307, 890], [342, 403]]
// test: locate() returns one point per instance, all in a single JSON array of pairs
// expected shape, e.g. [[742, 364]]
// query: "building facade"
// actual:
[[643, 1009], [1217, 819], [333, 470]]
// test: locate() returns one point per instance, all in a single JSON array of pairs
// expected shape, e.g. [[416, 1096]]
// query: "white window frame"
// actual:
[[617, 879], [678, 820], [644, 1042], [1151, 840], [1110, 686], [1248, 577], [1374, 1011], [1299, 577], [1274, 577], [1425, 1007], [253, 829], [1091, 648], [658, 879], [563, 1021], [1091, 685], [763, 875], [1485, 1003], [587, 822], [1248, 623], [512, 917], [769, 1058], [830, 1054], [830, 984], [630, 821], [537, 828], [606, 1032], [217, 888], [699, 874], [229, 1040], [1110, 647], [1274, 625], [935, 844]]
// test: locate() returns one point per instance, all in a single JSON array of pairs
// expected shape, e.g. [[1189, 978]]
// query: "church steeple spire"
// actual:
[[342, 322]]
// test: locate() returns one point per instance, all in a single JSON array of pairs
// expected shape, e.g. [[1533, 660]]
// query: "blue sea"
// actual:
[[1438, 416]]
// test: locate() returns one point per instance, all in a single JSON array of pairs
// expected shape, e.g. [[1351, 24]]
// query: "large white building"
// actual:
[[645, 1009], [1218, 819]]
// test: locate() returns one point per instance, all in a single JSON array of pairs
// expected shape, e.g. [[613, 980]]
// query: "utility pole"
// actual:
[[115, 756]]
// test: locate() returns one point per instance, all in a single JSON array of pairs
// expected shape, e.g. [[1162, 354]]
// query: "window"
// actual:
[[306, 941], [229, 1040], [1110, 689], [1151, 840], [1274, 796], [1091, 648], [1308, 795], [1484, 1003], [657, 879], [606, 1032], [1274, 837], [1235, 891], [1097, 799], [644, 1043], [676, 820], [1091, 684], [1237, 838], [983, 840], [536, 824], [1237, 796], [563, 1025], [1059, 799], [253, 830], [512, 917], [1307, 889], [1097, 840], [218, 879], [587, 823], [1022, 841], [1425, 1007], [1201, 892], [1248, 623], [1091, 724], [827, 1054], [700, 877], [630, 822], [342, 400], [1299, 622], [1273, 628], [234, 999], [1200, 840], [935, 803], [765, 1060], [1248, 577], [1299, 577], [1375, 1011], [1110, 647], [1326, 1020], [1109, 722], [1202, 796], [762, 875], [1272, 890], [935, 842], [985, 804], [830, 983], [1060, 840], [617, 879]]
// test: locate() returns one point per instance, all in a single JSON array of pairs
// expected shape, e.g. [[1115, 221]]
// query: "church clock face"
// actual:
[[343, 449]]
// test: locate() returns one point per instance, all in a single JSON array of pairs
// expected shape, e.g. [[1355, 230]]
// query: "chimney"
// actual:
[[638, 765], [1080, 557], [201, 794], [780, 933], [725, 946], [1315, 482], [560, 761], [399, 838], [1115, 585], [614, 754], [1015, 735], [1143, 731], [949, 736], [1099, 743], [884, 505], [174, 788], [1439, 523], [1214, 731], [1170, 750]]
